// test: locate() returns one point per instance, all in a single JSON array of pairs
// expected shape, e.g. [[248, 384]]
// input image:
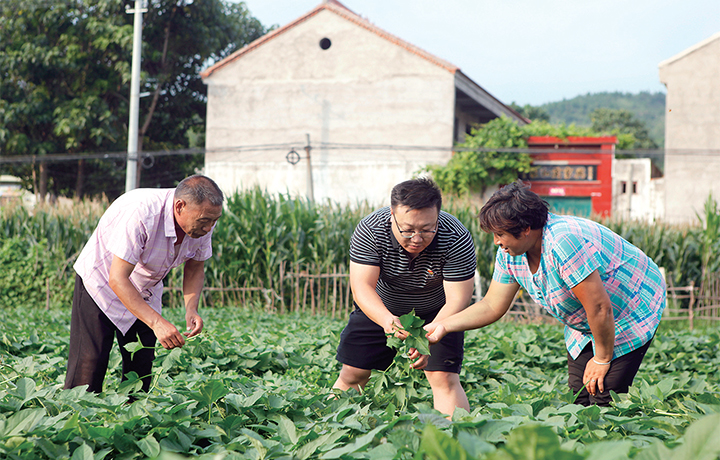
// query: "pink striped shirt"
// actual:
[[139, 227]]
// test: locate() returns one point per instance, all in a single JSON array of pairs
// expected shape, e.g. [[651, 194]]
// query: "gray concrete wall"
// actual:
[[363, 90], [644, 202], [692, 129]]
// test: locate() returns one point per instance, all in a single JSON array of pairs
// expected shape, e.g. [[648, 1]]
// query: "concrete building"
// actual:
[[12, 193], [637, 193], [692, 129], [373, 109]]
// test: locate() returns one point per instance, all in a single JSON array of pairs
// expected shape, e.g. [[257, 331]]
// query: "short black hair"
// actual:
[[197, 189], [513, 209], [418, 193]]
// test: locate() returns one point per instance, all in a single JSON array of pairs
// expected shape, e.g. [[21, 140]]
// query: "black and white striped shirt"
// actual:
[[404, 283]]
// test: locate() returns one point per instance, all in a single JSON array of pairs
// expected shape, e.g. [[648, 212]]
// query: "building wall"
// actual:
[[636, 196], [692, 129], [464, 123], [363, 90]]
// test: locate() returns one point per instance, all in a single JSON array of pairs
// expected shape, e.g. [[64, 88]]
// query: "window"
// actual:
[[325, 43]]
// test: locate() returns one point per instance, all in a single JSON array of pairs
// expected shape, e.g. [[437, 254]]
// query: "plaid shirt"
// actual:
[[573, 248], [139, 227]]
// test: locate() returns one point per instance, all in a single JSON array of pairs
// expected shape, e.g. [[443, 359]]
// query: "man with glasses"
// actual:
[[408, 256]]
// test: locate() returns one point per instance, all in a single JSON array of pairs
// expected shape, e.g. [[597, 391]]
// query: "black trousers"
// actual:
[[618, 379], [91, 338]]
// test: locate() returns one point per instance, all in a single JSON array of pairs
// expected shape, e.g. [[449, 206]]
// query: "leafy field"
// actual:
[[256, 385]]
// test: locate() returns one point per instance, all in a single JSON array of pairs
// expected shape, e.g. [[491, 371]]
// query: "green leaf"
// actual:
[[149, 446], [436, 445], [394, 342], [610, 450], [656, 451], [359, 443], [286, 429], [325, 442], [21, 422], [133, 347], [210, 392], [83, 452], [536, 442], [24, 390], [702, 440], [420, 343]]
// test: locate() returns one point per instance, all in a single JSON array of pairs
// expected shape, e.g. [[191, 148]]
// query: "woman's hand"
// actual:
[[435, 332], [594, 377]]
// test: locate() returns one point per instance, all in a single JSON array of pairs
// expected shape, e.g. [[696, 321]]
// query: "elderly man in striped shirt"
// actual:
[[408, 256], [141, 236]]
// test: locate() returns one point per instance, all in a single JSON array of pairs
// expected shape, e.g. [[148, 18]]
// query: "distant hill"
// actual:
[[645, 106]]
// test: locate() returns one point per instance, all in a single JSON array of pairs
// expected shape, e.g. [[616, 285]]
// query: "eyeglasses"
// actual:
[[422, 234]]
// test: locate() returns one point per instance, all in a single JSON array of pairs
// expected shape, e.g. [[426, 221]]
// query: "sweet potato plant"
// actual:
[[255, 385]]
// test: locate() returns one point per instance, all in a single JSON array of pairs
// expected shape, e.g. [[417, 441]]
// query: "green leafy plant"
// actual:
[[413, 326], [258, 385]]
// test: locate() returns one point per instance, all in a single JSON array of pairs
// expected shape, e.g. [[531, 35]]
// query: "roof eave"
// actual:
[[342, 11], [481, 96]]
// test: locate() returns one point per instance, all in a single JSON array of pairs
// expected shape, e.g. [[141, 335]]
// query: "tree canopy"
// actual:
[[531, 112], [470, 170], [649, 108], [631, 132], [474, 168], [65, 68]]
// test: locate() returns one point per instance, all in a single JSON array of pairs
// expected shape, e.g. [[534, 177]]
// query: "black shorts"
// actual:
[[363, 345]]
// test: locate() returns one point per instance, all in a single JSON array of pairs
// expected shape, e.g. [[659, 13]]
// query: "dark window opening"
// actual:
[[325, 43]]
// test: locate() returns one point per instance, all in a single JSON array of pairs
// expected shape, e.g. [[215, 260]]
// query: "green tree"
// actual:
[[531, 112], [66, 77], [63, 66], [631, 132], [181, 37], [645, 106], [471, 171]]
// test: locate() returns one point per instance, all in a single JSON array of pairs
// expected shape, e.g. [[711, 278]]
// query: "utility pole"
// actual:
[[132, 157], [310, 191]]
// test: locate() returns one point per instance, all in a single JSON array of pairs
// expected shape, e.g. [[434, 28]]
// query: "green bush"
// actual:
[[29, 270]]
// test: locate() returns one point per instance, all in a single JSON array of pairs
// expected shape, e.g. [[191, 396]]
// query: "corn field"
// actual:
[[289, 254]]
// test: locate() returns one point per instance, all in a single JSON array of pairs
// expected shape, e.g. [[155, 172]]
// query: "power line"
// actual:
[[284, 147]]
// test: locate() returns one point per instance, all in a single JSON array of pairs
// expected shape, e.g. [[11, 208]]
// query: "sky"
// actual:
[[536, 51]]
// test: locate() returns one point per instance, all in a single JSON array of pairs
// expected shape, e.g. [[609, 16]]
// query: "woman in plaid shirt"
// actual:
[[607, 292]]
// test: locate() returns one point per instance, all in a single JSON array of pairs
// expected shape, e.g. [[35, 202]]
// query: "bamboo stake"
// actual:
[[297, 287], [334, 297], [692, 302], [312, 294], [282, 282], [304, 300]]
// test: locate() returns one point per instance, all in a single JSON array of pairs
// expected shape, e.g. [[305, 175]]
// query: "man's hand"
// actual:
[[392, 325], [435, 332], [167, 334], [420, 360], [194, 324]]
